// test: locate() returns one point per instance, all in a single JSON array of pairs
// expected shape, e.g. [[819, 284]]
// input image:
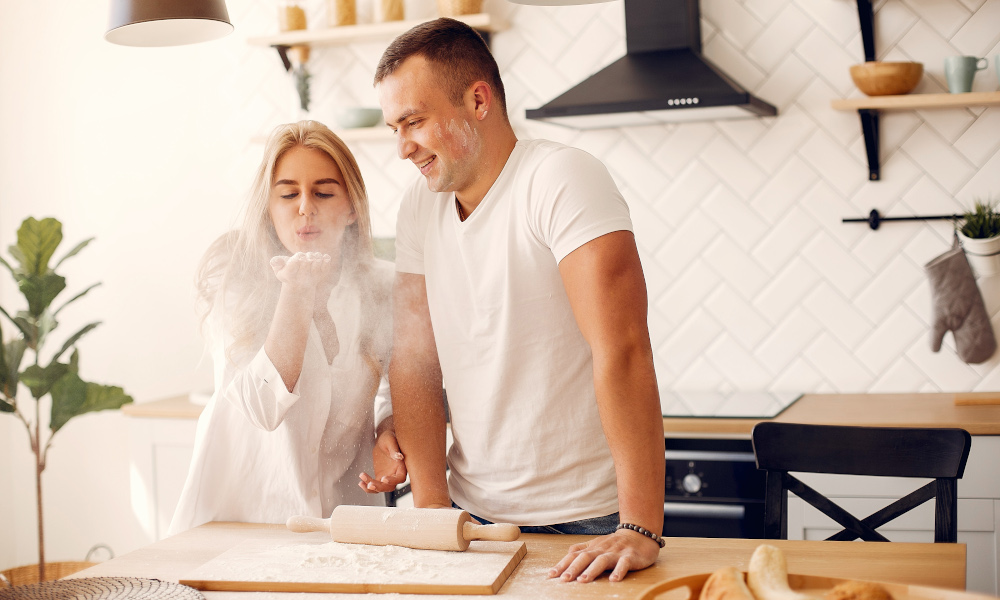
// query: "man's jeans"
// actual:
[[596, 526]]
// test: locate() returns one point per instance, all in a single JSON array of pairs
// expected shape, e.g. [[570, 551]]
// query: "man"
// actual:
[[518, 288]]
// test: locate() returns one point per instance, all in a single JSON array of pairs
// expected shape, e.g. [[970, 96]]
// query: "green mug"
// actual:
[[960, 70]]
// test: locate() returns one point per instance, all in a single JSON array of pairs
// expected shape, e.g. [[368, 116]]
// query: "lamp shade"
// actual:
[[167, 22], [557, 2]]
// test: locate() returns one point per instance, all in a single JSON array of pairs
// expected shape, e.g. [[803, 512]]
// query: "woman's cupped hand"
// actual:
[[307, 271]]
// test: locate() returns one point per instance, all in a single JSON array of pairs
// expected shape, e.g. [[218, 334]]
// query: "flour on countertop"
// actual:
[[334, 562]]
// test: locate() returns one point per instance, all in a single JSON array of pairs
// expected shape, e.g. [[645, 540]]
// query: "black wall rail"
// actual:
[[874, 219]]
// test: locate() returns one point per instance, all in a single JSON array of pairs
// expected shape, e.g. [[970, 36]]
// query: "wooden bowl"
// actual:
[[887, 78]]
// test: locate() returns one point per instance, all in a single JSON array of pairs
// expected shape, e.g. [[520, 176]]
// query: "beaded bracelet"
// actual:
[[659, 540]]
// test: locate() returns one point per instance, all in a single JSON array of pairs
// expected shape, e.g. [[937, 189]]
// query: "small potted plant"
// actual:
[[979, 234], [54, 374]]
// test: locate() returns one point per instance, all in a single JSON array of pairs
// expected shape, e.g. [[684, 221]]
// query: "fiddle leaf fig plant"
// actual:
[[46, 374]]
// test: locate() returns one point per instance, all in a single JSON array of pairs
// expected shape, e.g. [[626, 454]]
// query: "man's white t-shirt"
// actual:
[[528, 444]]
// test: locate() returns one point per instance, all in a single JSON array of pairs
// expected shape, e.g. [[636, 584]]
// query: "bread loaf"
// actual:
[[726, 584], [858, 590], [767, 576]]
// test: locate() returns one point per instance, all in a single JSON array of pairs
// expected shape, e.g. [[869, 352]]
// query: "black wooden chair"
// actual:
[[880, 451]]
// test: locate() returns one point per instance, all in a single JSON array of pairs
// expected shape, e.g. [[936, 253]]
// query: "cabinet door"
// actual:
[[976, 528], [161, 456]]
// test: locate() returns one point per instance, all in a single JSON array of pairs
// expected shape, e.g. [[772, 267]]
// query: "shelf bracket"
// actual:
[[283, 55], [867, 18], [869, 116], [869, 126]]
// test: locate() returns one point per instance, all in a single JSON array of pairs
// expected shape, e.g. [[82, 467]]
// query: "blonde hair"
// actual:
[[236, 266]]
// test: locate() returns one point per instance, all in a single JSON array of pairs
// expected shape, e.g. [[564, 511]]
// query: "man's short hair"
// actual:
[[458, 49]]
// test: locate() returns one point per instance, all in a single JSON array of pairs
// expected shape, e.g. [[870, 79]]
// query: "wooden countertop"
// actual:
[[885, 410], [177, 407], [972, 412], [938, 565]]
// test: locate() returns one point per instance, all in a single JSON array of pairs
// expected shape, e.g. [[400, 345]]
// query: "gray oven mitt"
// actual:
[[959, 307]]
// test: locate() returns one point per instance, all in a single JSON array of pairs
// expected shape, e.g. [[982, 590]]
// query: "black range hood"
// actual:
[[662, 78]]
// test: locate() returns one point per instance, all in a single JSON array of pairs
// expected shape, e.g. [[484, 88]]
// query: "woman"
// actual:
[[298, 317]]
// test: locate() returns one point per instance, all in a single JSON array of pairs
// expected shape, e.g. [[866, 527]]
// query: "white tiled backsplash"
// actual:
[[754, 283]]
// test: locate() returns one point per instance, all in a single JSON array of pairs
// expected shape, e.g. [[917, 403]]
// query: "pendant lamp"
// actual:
[[167, 22], [557, 2]]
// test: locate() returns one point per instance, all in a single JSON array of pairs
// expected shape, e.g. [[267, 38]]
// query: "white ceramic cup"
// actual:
[[960, 71]]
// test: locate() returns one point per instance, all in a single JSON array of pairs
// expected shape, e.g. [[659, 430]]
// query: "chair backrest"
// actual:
[[939, 454]]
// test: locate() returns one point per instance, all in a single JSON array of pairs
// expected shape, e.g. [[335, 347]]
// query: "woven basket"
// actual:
[[451, 8], [28, 574]]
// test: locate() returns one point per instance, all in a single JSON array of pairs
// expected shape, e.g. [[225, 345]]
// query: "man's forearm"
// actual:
[[628, 401], [419, 419]]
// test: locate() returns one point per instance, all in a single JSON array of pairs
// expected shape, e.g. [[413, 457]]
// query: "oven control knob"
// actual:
[[691, 483]]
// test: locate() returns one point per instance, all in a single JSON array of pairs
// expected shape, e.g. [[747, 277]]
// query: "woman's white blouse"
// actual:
[[262, 453]]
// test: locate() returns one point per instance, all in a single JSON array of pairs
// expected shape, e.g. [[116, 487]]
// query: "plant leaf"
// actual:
[[46, 323], [25, 323], [20, 326], [73, 338], [68, 396], [40, 380], [104, 397], [36, 243], [10, 362], [71, 397], [13, 353], [41, 290], [73, 252], [76, 297]]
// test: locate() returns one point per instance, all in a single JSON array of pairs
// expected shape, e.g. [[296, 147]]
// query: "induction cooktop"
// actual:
[[725, 405]]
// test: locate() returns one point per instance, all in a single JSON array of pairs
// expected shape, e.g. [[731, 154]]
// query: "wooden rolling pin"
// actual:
[[421, 528]]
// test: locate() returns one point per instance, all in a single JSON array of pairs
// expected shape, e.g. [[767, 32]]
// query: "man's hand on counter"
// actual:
[[622, 551]]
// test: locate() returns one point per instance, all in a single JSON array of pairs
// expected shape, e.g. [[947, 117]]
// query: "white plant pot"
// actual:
[[983, 254]]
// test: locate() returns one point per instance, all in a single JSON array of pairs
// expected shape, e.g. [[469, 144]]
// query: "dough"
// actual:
[[726, 584], [858, 590]]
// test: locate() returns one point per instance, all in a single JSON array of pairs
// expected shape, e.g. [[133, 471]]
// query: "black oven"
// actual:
[[712, 489]]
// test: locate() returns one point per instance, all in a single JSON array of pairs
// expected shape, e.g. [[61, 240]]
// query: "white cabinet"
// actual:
[[978, 511], [161, 438]]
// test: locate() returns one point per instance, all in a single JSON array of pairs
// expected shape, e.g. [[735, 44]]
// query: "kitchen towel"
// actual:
[[959, 307]]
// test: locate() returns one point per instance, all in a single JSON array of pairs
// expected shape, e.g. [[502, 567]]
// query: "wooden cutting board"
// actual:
[[302, 566]]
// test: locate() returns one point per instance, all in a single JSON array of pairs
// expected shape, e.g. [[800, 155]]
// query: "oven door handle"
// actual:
[[711, 511]]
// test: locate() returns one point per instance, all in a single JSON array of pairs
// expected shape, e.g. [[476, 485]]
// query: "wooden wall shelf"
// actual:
[[349, 34], [918, 101], [484, 23], [868, 108]]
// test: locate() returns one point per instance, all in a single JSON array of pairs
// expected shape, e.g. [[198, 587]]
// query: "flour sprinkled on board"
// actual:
[[335, 562]]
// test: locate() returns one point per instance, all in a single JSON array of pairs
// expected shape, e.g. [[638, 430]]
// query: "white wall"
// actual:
[[754, 283]]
